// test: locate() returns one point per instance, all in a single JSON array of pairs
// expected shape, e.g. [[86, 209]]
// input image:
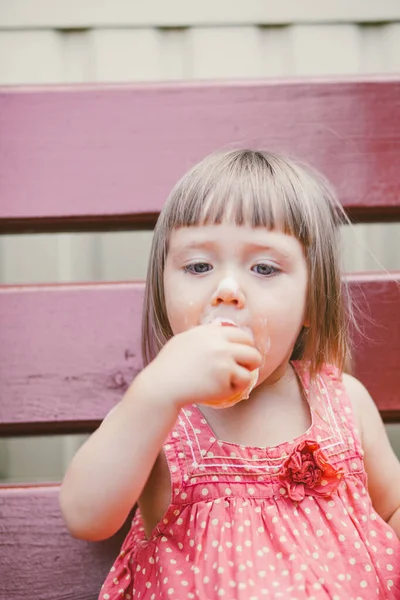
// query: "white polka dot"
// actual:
[[389, 535], [228, 491], [214, 521], [363, 583], [320, 532], [389, 567], [251, 491], [341, 538], [204, 491], [184, 495], [317, 586]]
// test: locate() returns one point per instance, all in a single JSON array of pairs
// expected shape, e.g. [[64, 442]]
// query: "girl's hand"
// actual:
[[207, 364]]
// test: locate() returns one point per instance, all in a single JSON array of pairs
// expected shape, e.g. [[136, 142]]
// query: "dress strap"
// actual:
[[333, 411], [186, 445]]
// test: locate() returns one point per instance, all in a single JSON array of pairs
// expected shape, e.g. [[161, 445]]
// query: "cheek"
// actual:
[[182, 308], [281, 317]]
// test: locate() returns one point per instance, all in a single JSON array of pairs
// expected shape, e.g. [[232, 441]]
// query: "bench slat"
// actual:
[[67, 353], [107, 157], [37, 552]]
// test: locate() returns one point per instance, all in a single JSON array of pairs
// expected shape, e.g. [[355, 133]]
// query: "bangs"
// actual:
[[246, 188]]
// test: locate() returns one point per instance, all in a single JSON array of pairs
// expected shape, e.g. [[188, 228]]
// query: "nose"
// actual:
[[228, 292]]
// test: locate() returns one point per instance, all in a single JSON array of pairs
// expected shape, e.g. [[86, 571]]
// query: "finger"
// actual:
[[246, 356], [238, 335], [241, 378]]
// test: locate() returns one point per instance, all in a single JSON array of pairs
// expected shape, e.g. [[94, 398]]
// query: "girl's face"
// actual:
[[251, 276]]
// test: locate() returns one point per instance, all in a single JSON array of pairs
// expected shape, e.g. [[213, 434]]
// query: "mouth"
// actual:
[[225, 322]]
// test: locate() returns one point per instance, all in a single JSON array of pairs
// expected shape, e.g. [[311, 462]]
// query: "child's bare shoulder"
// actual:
[[365, 411]]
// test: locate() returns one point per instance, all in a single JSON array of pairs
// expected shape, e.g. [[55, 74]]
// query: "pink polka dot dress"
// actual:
[[294, 521]]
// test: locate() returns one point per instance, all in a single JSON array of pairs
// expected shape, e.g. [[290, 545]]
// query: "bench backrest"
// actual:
[[105, 159]]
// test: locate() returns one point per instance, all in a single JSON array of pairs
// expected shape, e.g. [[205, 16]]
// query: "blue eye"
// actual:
[[198, 268], [265, 270]]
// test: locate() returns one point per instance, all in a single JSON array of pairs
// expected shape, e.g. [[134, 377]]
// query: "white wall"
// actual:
[[58, 42]]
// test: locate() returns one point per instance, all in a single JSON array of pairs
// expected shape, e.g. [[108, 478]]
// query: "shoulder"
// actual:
[[365, 411], [380, 462]]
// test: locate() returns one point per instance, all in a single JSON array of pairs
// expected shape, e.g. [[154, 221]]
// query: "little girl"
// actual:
[[268, 497]]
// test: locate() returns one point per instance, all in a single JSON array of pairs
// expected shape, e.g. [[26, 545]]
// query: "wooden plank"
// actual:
[[68, 353], [107, 157], [91, 13], [377, 344], [39, 558]]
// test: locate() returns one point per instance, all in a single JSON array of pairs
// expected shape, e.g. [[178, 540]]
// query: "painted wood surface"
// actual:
[[108, 156], [68, 353], [91, 13], [39, 558]]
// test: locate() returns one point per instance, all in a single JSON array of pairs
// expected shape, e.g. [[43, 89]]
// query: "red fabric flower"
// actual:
[[307, 472]]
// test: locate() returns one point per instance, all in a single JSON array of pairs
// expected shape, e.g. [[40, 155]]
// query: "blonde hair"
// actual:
[[260, 189]]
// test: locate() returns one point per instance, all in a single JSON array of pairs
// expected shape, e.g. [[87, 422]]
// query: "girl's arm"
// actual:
[[108, 474], [381, 463]]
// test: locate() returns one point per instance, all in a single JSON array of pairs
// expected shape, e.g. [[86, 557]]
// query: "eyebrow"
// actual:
[[249, 248]]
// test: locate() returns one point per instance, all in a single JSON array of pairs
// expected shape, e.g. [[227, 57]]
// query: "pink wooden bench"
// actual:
[[105, 159]]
